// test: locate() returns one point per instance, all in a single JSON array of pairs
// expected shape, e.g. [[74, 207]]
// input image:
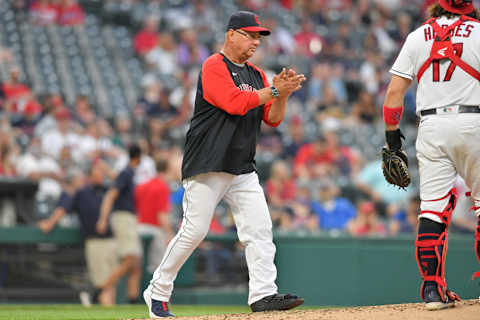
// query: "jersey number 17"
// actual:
[[458, 49]]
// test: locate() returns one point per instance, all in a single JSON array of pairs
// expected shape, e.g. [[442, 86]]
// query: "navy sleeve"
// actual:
[[65, 201], [123, 180]]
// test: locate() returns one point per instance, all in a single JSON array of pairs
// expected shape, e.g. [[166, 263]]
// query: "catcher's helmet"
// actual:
[[457, 6]]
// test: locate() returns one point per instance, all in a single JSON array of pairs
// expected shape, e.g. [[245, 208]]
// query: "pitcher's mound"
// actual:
[[464, 310]]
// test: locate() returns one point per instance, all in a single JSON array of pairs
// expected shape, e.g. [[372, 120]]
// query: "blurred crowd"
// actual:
[[320, 169]]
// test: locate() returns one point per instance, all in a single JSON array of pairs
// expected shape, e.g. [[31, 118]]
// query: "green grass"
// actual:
[[78, 312]]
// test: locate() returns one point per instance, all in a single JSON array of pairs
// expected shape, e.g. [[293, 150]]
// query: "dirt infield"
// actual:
[[464, 310]]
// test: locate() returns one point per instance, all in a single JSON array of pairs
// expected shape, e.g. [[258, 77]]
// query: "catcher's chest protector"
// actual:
[[443, 48]]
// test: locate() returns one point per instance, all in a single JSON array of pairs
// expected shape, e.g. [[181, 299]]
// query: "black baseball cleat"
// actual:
[[276, 302], [156, 309], [433, 301]]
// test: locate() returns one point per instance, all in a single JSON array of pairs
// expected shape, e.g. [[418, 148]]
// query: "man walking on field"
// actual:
[[233, 98]]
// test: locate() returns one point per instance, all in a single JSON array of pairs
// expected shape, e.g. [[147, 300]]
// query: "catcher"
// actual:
[[442, 56]]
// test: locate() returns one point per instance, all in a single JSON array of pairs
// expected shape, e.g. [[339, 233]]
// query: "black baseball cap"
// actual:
[[247, 21]]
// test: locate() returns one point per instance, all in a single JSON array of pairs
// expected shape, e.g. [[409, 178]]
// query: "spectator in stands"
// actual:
[[342, 157], [94, 143], [307, 42], [324, 155], [48, 120], [365, 110], [54, 140], [371, 182], [163, 57], [154, 101], [38, 166], [310, 159], [333, 211], [70, 13], [67, 163], [191, 53], [281, 40], [406, 221], [83, 112], [119, 201], [162, 116], [303, 219], [27, 121], [43, 12], [123, 130], [328, 107], [366, 223], [147, 38], [280, 188], [269, 143], [88, 146], [404, 23], [107, 150], [152, 200], [294, 139], [15, 93]]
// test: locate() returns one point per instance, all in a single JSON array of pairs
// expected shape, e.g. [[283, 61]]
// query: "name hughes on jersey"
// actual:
[[462, 30]]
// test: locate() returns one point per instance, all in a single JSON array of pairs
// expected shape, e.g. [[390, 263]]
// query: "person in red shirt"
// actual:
[[324, 155], [280, 188], [308, 43], [146, 39], [152, 200], [15, 93], [43, 12], [70, 13], [366, 223]]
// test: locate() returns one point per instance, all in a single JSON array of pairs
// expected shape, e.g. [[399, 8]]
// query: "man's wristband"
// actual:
[[392, 116]]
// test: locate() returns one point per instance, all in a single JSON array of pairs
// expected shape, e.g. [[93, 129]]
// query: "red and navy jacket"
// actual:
[[227, 117]]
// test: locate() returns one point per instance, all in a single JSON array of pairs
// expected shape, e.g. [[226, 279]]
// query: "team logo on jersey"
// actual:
[[442, 51], [246, 87]]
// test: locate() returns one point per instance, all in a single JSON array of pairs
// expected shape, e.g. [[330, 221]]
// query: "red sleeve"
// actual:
[[220, 90]]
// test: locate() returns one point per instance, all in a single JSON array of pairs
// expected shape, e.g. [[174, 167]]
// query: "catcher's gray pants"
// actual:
[[247, 201], [447, 144]]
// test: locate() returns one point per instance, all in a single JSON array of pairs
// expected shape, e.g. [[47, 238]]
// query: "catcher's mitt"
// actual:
[[395, 167]]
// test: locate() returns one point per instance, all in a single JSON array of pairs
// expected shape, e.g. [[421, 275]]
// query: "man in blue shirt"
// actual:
[[333, 212], [119, 200], [100, 249]]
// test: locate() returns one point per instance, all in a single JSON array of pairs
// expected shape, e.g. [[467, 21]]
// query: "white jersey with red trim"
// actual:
[[443, 83]]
